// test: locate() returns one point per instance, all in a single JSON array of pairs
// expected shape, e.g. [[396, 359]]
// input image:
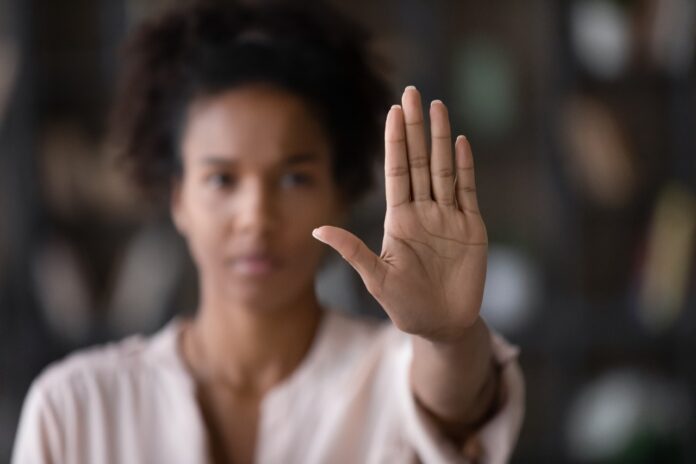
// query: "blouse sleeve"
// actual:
[[496, 438], [38, 439]]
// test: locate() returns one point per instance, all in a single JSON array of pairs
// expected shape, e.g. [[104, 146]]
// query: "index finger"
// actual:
[[396, 173]]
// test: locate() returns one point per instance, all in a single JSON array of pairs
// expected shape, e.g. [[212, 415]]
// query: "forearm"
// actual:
[[456, 382]]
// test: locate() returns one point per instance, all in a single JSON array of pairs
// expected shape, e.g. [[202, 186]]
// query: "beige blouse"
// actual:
[[349, 401]]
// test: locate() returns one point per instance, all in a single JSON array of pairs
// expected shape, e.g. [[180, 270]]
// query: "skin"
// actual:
[[430, 275], [256, 186]]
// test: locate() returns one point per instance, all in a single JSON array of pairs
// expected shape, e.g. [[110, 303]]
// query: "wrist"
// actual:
[[457, 379]]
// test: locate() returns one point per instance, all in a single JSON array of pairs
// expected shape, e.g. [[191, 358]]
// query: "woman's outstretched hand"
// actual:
[[430, 275]]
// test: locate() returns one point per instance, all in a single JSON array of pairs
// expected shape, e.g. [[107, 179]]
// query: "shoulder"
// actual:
[[108, 367], [95, 360], [108, 400]]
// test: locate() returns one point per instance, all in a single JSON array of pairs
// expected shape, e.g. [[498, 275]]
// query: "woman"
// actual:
[[259, 124]]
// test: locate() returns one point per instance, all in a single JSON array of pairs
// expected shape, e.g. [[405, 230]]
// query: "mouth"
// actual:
[[254, 265]]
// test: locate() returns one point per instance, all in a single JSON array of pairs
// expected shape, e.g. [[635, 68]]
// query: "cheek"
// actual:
[[205, 230]]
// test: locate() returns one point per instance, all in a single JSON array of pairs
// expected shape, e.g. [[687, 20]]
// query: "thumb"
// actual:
[[353, 250]]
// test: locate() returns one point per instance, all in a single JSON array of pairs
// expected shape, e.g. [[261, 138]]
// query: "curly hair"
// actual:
[[203, 49]]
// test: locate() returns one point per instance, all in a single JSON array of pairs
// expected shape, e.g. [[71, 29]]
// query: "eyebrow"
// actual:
[[299, 158], [217, 160]]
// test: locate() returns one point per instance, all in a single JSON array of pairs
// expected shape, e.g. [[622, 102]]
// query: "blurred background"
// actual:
[[582, 115]]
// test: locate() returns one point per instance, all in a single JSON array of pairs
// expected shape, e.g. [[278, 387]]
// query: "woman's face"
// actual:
[[256, 180]]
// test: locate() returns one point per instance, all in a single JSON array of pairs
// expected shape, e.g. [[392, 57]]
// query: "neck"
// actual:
[[247, 349]]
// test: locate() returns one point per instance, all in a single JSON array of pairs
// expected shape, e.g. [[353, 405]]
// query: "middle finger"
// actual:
[[418, 162]]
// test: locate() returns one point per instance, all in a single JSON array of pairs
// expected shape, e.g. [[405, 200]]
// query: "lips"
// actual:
[[255, 264]]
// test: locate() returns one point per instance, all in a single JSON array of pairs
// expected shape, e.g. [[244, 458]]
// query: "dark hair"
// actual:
[[206, 48]]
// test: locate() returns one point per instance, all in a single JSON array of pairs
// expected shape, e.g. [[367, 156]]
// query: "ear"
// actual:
[[176, 206]]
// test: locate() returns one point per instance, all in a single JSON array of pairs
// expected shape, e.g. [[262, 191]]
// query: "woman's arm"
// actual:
[[430, 275], [456, 383]]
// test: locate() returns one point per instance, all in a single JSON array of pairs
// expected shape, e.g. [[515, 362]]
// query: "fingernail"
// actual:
[[411, 87], [395, 107], [436, 101], [317, 234]]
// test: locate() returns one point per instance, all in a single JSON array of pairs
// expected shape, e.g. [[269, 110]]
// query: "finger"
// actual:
[[358, 255], [418, 163], [396, 176], [441, 154], [466, 184]]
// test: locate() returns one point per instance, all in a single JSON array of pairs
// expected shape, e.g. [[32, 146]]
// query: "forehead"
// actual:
[[256, 123]]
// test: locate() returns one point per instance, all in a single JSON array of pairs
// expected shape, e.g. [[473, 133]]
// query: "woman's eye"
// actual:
[[220, 180], [294, 179]]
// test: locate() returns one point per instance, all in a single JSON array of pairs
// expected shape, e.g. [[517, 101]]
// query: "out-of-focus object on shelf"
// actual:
[[9, 63], [513, 290], [672, 35], [628, 416], [85, 190], [78, 176], [669, 256], [137, 10], [62, 291], [152, 264], [485, 87], [601, 38], [598, 159]]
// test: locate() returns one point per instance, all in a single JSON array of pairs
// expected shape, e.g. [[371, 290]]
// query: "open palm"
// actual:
[[430, 275]]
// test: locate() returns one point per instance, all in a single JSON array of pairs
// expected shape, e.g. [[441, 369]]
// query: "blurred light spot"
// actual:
[[671, 243], [484, 87], [62, 291], [600, 34], [623, 406], [512, 290], [598, 159], [673, 35], [151, 269]]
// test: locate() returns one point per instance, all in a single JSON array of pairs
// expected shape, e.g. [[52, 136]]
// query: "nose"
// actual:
[[256, 209]]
